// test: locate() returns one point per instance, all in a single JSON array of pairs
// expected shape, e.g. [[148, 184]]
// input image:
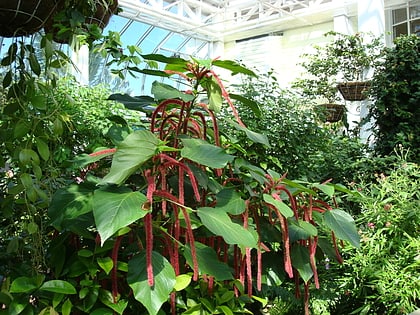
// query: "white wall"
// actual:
[[280, 53]]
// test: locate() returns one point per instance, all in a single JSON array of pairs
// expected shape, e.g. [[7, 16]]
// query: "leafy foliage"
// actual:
[[395, 89]]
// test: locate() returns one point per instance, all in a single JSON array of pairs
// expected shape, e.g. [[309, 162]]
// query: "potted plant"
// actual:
[[82, 19], [355, 56], [21, 18], [319, 81]]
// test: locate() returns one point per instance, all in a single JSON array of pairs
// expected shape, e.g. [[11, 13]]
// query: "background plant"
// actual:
[[395, 89], [300, 144]]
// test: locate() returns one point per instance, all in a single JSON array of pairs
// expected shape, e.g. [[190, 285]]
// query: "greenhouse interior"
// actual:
[[210, 157]]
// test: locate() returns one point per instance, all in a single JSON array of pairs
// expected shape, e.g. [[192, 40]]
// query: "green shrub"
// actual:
[[383, 275]]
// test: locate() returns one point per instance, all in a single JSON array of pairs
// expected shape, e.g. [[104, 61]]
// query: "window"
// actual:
[[406, 20]]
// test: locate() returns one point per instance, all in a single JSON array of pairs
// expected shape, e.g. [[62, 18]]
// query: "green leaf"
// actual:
[[106, 298], [132, 152], [247, 102], [252, 135], [202, 152], [233, 66], [21, 129], [7, 80], [152, 297], [106, 264], [66, 308], [58, 286], [163, 91], [219, 223], [182, 281], [102, 311], [26, 284], [39, 101], [140, 103], [326, 189], [284, 209], [70, 203], [301, 230], [301, 262], [115, 208], [343, 226], [230, 201], [43, 149], [27, 156], [225, 310], [214, 94], [34, 64], [208, 262]]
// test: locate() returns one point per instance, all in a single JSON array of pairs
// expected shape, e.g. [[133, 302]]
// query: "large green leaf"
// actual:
[[284, 209], [233, 66], [115, 208], [70, 203], [230, 201], [142, 103], [202, 152], [208, 262], [58, 286], [135, 150], [152, 297], [301, 262], [343, 226], [219, 223], [163, 91]]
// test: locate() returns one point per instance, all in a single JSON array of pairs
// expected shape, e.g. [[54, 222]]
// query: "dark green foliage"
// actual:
[[396, 90]]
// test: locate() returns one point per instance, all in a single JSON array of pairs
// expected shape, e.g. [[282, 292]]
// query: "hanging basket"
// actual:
[[101, 17], [354, 91], [24, 17], [333, 112]]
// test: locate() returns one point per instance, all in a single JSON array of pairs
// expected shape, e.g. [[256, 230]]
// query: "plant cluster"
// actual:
[[299, 144], [395, 89], [167, 211]]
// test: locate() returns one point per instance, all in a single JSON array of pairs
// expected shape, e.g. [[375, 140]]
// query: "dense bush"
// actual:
[[396, 93]]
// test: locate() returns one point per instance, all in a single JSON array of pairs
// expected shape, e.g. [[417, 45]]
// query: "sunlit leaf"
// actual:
[[219, 223], [58, 286], [202, 152], [115, 208], [132, 152]]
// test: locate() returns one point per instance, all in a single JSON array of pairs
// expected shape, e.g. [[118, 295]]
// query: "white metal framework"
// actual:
[[222, 20]]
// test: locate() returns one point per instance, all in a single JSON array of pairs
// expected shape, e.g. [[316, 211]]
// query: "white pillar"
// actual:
[[80, 59], [371, 18]]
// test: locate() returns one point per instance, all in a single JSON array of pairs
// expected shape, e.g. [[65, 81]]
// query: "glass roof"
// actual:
[[195, 27]]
